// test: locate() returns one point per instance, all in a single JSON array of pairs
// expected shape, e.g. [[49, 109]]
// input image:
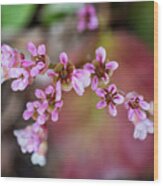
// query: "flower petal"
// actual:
[[54, 115], [51, 73], [27, 63], [41, 49], [41, 119], [78, 86], [94, 83], [112, 88], [101, 54], [112, 109], [40, 94], [27, 115], [63, 58], [100, 92], [58, 91], [118, 99], [111, 65], [140, 114], [144, 105], [90, 67], [131, 115], [101, 104], [32, 49]]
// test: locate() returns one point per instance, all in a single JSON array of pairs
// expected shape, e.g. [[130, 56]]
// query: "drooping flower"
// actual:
[[47, 106], [33, 140], [110, 97], [87, 18], [142, 128], [68, 76], [10, 58], [100, 69], [39, 60], [136, 107]]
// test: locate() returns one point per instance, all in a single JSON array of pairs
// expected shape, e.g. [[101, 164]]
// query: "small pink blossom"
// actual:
[[87, 18], [48, 105], [110, 98], [33, 140], [39, 60], [68, 76], [21, 77], [136, 107], [100, 69]]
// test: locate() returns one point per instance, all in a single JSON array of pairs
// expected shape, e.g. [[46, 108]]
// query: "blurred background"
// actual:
[[86, 142]]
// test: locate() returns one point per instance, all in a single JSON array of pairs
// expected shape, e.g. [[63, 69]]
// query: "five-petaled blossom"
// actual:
[[140, 113], [47, 106], [39, 60], [10, 58], [110, 97], [68, 76], [136, 107], [33, 139], [87, 18], [100, 69]]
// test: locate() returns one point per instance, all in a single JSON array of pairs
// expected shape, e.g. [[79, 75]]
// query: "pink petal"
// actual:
[[105, 78], [63, 58], [101, 104], [15, 72], [118, 99], [78, 86], [29, 106], [41, 119], [34, 71], [131, 115], [90, 67], [15, 85], [27, 63], [40, 94], [112, 109], [40, 65], [49, 90], [101, 54], [59, 104], [51, 73], [112, 65], [144, 105], [41, 49], [32, 49], [94, 83], [100, 92], [27, 115], [140, 114], [93, 24], [58, 91], [43, 107], [112, 88], [54, 115]]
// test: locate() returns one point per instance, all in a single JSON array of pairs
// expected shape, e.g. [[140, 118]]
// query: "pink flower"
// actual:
[[10, 58], [33, 140], [39, 63], [68, 76], [110, 98], [101, 71], [136, 107], [48, 105], [87, 18], [21, 77]]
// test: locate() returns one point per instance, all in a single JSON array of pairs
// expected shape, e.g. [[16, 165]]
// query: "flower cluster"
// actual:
[[33, 139], [65, 76], [47, 106], [15, 66], [87, 18]]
